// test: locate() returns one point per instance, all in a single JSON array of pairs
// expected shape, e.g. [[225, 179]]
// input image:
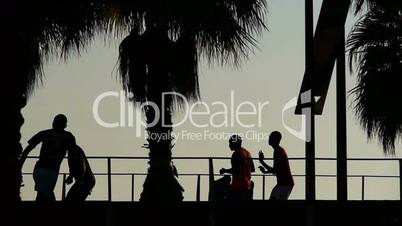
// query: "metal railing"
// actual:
[[211, 174]]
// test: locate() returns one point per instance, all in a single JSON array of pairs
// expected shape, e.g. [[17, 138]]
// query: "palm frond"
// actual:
[[226, 29], [361, 5], [185, 68], [220, 30], [133, 67], [375, 45]]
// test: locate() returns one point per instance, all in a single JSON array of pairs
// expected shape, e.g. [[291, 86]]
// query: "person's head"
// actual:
[[275, 138], [235, 142], [59, 122]]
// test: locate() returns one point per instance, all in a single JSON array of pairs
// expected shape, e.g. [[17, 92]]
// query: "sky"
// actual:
[[272, 75]]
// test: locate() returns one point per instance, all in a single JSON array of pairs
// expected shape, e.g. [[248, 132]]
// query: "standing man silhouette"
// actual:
[[55, 143], [241, 187], [281, 168]]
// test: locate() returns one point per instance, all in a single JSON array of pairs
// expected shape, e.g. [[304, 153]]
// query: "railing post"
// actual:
[[132, 187], [400, 179], [341, 131], [198, 188], [211, 196], [109, 179], [310, 109], [263, 187], [63, 188], [363, 182]]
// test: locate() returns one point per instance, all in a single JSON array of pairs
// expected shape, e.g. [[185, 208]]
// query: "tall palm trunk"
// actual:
[[11, 147], [160, 184], [13, 97]]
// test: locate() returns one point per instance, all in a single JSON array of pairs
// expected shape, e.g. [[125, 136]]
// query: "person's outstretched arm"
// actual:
[[25, 153], [32, 143]]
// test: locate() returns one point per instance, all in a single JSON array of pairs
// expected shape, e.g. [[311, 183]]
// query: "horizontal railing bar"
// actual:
[[254, 175], [225, 158]]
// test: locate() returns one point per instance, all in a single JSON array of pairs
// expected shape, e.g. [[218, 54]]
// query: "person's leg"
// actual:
[[45, 182], [275, 193], [281, 192], [231, 195], [287, 191], [52, 197], [250, 193], [85, 195], [236, 195], [40, 197], [73, 193], [45, 197], [77, 193]]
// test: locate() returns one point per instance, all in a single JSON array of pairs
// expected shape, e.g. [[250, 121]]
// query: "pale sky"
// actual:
[[273, 73]]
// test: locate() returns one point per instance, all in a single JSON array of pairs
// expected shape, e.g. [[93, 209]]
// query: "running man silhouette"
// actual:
[[241, 187], [281, 168], [55, 143]]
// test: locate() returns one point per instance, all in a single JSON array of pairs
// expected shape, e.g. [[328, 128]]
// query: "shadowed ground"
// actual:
[[328, 213]]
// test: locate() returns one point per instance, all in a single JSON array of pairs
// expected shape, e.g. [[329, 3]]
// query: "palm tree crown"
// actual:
[[375, 45], [178, 33]]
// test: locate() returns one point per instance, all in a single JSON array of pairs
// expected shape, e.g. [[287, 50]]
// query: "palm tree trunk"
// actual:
[[12, 147], [12, 120], [13, 100], [160, 183]]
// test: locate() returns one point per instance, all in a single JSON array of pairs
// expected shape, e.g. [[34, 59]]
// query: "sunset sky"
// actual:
[[272, 74]]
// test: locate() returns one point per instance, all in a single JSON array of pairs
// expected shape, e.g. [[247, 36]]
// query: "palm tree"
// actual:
[[34, 32], [375, 45], [161, 55], [179, 31]]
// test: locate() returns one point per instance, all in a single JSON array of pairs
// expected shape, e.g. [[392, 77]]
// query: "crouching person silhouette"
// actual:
[[222, 188], [81, 173]]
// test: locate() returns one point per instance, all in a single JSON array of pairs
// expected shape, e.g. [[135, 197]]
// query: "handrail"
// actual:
[[224, 158], [216, 174], [211, 173]]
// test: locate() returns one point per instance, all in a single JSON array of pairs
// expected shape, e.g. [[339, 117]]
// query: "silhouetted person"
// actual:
[[81, 172], [281, 168], [241, 187], [222, 188], [55, 143]]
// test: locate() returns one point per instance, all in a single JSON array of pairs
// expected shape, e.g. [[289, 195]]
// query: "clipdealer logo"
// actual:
[[217, 114]]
